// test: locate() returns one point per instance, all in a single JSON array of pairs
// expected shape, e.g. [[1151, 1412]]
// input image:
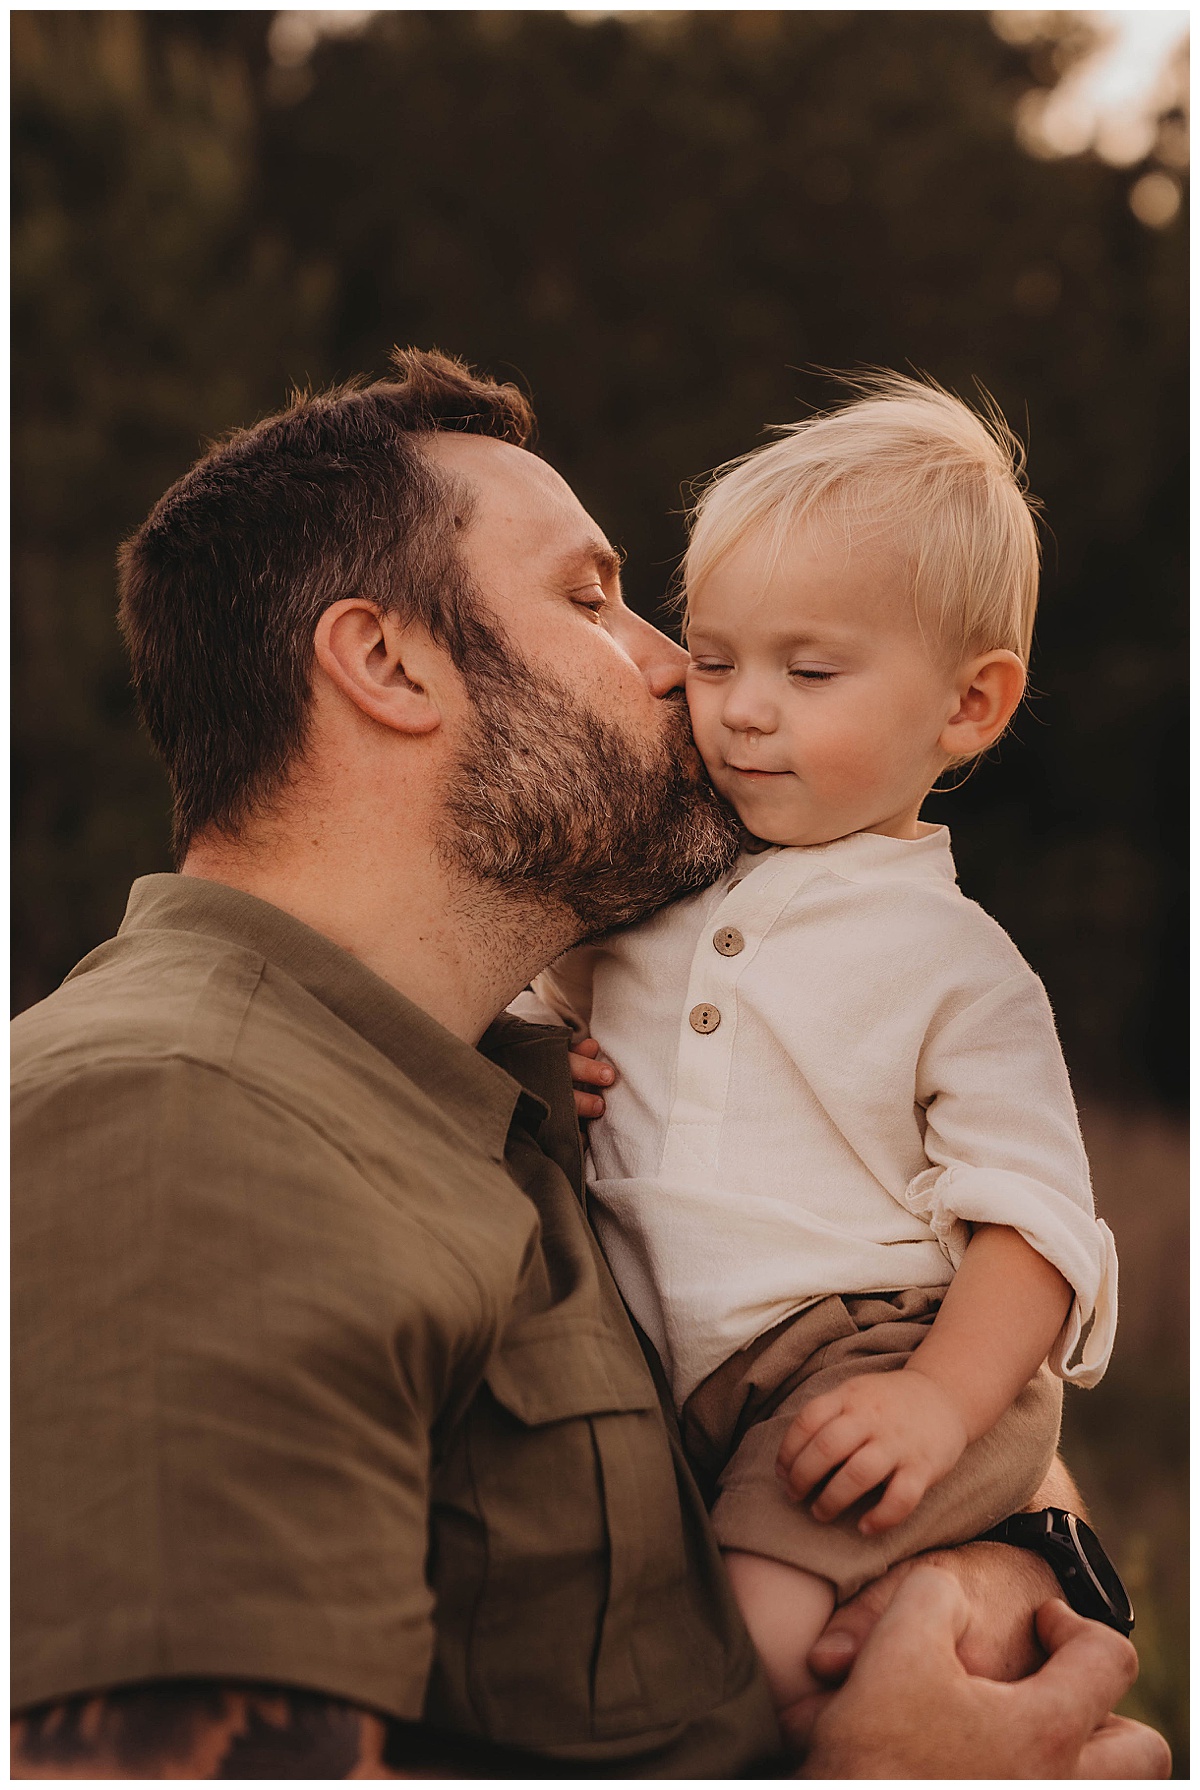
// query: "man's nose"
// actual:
[[659, 660]]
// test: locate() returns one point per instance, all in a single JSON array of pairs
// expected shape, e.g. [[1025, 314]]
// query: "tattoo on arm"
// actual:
[[202, 1728], [213, 1730]]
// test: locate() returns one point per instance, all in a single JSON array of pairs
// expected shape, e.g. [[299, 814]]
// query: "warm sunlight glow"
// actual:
[[1111, 98]]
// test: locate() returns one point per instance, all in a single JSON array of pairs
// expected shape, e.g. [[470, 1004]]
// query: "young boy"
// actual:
[[840, 1179]]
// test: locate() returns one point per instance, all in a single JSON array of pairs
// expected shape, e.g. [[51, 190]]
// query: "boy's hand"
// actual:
[[587, 1073], [900, 1427]]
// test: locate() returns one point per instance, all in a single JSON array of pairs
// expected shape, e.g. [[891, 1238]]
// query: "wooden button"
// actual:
[[704, 1018], [728, 941], [735, 882]]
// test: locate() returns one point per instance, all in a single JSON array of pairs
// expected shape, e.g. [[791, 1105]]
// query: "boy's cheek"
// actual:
[[705, 732]]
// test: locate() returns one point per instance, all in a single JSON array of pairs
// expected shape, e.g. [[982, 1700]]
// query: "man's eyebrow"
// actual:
[[595, 556]]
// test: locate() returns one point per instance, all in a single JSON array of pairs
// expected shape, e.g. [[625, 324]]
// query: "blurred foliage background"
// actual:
[[663, 224]]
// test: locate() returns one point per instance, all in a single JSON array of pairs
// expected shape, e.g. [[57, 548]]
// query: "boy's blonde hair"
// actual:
[[909, 462]]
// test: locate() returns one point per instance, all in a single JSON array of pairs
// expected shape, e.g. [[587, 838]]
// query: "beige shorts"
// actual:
[[734, 1422]]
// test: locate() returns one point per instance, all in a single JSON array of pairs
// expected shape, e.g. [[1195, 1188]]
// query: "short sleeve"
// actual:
[[230, 1350], [1003, 1139]]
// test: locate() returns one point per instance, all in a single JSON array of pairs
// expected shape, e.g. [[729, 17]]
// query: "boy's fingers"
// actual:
[[588, 1106], [833, 1443], [904, 1492], [862, 1472], [815, 1415]]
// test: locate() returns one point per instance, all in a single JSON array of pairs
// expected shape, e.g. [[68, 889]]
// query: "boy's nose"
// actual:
[[746, 712]]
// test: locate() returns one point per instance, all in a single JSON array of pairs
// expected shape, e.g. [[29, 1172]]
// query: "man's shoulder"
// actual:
[[140, 997], [155, 1026], [149, 1002], [175, 1077]]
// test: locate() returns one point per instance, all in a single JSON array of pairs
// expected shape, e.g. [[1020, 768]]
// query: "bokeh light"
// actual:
[[1119, 89]]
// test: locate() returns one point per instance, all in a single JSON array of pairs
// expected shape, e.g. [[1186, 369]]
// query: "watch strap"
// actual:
[[1055, 1535]]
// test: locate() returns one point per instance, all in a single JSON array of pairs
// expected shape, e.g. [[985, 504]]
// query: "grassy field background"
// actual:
[[1127, 1440]]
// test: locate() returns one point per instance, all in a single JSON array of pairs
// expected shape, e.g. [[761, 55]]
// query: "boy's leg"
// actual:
[[785, 1610]]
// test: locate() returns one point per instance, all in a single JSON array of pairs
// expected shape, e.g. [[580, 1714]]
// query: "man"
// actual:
[[336, 1453]]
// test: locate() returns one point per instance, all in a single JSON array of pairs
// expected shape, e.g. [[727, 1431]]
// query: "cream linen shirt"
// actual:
[[829, 1066]]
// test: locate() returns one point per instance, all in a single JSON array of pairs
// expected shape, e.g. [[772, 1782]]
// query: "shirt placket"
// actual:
[[724, 957]]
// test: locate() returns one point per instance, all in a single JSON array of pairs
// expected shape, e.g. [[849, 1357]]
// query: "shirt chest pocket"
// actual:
[[569, 1530]]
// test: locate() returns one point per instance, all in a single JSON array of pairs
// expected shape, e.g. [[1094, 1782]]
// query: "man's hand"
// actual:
[[911, 1710], [1003, 1587], [587, 1073], [902, 1428]]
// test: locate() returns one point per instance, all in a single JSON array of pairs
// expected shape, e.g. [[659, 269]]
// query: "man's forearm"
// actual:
[[912, 1709], [1004, 1586], [1059, 1489]]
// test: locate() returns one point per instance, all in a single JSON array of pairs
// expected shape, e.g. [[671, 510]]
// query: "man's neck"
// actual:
[[459, 951]]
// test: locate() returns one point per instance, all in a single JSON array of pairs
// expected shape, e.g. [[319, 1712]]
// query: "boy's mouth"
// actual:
[[753, 771]]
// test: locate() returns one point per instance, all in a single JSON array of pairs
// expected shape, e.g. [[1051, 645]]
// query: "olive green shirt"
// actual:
[[319, 1377]]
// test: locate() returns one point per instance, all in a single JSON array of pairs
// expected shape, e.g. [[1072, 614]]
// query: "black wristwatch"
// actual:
[[1088, 1577]]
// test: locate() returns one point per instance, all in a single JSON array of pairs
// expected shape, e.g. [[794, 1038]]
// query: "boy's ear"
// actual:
[[989, 690], [382, 664]]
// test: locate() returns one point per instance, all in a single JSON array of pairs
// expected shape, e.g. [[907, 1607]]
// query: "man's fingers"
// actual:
[[930, 1600], [838, 1645], [1123, 1749], [1090, 1665], [587, 1073], [919, 1631], [798, 1720], [588, 1070]]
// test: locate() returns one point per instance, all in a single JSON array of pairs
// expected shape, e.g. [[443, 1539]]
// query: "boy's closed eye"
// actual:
[[587, 1073]]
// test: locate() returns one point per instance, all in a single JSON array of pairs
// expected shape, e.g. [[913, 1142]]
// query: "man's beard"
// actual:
[[549, 800]]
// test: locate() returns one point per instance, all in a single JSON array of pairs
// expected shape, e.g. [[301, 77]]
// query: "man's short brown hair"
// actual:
[[223, 584]]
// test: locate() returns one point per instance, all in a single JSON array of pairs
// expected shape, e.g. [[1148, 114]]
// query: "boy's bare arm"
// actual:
[[998, 1322], [905, 1431]]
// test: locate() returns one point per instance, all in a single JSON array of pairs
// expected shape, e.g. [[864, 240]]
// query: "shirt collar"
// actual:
[[869, 857], [475, 1092]]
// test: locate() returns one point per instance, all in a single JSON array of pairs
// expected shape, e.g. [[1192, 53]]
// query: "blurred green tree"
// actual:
[[663, 223], [150, 308]]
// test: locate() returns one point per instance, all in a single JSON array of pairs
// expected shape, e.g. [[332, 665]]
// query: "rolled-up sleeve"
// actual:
[[1004, 1146]]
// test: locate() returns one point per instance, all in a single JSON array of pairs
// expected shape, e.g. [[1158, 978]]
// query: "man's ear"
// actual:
[[381, 664], [989, 689]]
